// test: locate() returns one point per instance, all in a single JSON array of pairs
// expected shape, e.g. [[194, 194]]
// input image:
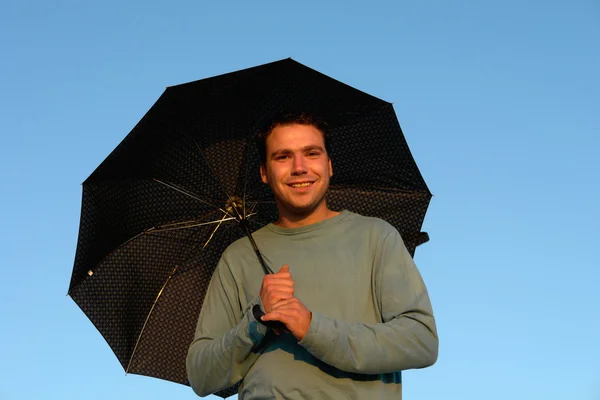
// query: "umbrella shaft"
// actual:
[[245, 226]]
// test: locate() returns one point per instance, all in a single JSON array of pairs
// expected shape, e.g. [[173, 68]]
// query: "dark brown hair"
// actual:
[[302, 118]]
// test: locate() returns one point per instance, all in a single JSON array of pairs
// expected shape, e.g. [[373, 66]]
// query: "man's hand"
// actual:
[[293, 314], [276, 287]]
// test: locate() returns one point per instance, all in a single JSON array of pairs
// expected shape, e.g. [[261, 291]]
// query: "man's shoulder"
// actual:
[[374, 224], [243, 244]]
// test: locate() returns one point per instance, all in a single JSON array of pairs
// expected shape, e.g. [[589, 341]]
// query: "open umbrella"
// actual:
[[159, 211]]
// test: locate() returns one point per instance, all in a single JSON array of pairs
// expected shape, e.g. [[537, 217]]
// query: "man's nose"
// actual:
[[298, 165]]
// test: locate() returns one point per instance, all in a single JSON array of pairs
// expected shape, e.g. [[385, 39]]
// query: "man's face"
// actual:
[[297, 168]]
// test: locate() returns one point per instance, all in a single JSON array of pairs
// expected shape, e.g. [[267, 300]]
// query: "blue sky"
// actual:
[[498, 101]]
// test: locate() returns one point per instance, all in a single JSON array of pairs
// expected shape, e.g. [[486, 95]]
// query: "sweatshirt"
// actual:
[[371, 315]]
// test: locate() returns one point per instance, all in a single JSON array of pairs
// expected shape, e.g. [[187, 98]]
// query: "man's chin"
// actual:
[[301, 210]]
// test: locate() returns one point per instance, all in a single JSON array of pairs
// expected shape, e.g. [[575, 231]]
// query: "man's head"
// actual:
[[283, 119], [296, 165]]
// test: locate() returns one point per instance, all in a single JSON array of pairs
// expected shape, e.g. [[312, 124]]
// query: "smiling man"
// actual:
[[298, 168], [355, 308]]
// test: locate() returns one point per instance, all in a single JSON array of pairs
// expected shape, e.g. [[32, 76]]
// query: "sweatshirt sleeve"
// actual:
[[407, 337], [227, 339]]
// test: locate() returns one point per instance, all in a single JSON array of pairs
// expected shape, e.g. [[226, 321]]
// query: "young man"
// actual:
[[354, 305]]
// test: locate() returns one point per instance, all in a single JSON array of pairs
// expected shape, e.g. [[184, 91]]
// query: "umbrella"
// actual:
[[161, 208]]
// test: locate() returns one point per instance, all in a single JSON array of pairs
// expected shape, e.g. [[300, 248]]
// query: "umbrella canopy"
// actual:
[[159, 211]]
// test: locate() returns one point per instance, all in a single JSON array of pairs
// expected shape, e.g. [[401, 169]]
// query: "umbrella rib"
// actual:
[[216, 176], [173, 227], [148, 317], [156, 229], [257, 223], [218, 226], [210, 167], [213, 232], [163, 288], [91, 271], [252, 206], [245, 183], [193, 196]]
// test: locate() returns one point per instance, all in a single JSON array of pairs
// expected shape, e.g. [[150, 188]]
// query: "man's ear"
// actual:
[[263, 174], [330, 168]]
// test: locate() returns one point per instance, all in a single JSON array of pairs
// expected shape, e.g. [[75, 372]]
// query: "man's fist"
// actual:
[[293, 314], [276, 287]]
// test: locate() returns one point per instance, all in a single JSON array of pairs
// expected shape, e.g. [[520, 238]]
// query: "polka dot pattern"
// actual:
[[142, 264]]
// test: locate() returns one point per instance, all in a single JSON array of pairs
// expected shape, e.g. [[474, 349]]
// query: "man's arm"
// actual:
[[406, 339], [226, 340]]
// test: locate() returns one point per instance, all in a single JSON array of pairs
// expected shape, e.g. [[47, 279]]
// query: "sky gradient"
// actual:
[[498, 101]]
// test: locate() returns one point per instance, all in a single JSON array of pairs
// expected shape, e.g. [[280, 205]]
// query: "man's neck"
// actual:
[[287, 220]]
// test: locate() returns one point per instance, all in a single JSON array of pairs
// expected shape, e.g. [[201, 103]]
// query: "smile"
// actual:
[[300, 185]]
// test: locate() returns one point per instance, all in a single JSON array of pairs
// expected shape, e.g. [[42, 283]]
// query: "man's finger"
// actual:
[[274, 316], [283, 303], [275, 280], [278, 296], [283, 310], [273, 287]]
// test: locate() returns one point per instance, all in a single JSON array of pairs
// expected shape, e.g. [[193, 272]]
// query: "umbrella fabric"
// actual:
[[159, 211]]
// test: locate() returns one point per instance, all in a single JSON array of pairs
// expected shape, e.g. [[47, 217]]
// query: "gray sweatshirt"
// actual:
[[371, 316]]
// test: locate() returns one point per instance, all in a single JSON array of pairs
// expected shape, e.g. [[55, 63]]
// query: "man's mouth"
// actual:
[[300, 185]]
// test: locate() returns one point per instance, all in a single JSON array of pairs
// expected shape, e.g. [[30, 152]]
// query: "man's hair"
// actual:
[[283, 119]]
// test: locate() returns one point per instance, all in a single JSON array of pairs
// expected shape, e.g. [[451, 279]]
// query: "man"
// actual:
[[355, 308]]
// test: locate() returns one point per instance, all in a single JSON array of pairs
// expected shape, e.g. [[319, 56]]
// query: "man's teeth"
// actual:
[[299, 185]]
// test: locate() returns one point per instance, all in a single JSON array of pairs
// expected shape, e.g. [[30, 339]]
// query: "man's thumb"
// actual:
[[284, 268]]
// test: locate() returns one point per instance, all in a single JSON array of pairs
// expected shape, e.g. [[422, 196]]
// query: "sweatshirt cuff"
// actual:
[[256, 330], [321, 334]]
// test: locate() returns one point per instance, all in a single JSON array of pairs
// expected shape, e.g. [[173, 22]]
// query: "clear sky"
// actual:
[[499, 101]]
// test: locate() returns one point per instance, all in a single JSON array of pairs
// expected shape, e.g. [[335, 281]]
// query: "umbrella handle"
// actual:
[[256, 310], [277, 325]]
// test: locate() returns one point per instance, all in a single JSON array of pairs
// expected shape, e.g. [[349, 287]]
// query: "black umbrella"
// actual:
[[159, 211]]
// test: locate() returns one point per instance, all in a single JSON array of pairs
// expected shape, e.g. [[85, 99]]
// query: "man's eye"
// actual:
[[313, 154], [282, 157]]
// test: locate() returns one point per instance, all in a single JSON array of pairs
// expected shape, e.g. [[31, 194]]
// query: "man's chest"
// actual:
[[334, 278]]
